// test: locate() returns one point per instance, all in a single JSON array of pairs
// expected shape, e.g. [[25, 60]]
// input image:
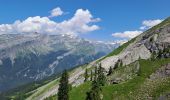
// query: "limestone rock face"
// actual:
[[152, 41], [128, 55]]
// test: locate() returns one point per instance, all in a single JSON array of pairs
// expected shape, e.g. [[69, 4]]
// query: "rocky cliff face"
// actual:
[[30, 57], [149, 44]]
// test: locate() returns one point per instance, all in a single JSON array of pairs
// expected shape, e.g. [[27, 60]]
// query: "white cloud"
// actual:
[[150, 23], [56, 12], [146, 24], [126, 34], [79, 23]]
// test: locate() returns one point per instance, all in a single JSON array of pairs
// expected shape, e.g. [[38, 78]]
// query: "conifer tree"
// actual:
[[116, 65], [63, 89], [121, 63], [110, 71], [98, 81], [86, 76], [95, 92], [95, 73], [91, 76], [101, 77]]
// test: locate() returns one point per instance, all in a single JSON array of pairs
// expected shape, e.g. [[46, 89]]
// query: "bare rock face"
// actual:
[[129, 55], [136, 53], [109, 61], [155, 40]]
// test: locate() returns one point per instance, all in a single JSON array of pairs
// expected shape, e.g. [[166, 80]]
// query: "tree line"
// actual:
[[97, 77]]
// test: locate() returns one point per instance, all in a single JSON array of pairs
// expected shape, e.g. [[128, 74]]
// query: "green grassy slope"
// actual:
[[79, 93], [136, 88], [128, 89]]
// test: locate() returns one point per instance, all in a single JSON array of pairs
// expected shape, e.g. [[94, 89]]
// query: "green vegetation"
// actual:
[[91, 76], [54, 97], [95, 92], [39, 88], [100, 80], [63, 90], [130, 88], [79, 93], [44, 88], [86, 76], [123, 73], [110, 71]]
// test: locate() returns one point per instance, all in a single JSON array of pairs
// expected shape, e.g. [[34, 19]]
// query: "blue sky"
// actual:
[[116, 16]]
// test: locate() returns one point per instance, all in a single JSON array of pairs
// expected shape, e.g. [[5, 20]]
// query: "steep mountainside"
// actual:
[[30, 57], [141, 71], [144, 73]]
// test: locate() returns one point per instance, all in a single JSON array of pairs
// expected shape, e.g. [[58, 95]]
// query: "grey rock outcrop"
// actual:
[[154, 40]]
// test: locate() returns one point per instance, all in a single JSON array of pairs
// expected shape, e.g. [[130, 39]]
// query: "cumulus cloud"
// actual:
[[56, 12], [150, 23], [146, 24], [81, 22], [127, 34]]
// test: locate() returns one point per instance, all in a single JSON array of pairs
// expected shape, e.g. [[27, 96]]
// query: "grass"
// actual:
[[79, 93], [163, 89], [127, 89], [54, 97]]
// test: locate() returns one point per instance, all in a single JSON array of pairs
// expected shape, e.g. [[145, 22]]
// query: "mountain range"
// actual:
[[140, 71], [30, 57]]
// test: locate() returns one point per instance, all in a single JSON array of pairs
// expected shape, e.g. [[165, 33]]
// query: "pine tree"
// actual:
[[116, 65], [101, 77], [121, 63], [95, 73], [63, 87], [98, 81], [89, 96], [91, 76], [95, 92], [86, 76], [110, 71]]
